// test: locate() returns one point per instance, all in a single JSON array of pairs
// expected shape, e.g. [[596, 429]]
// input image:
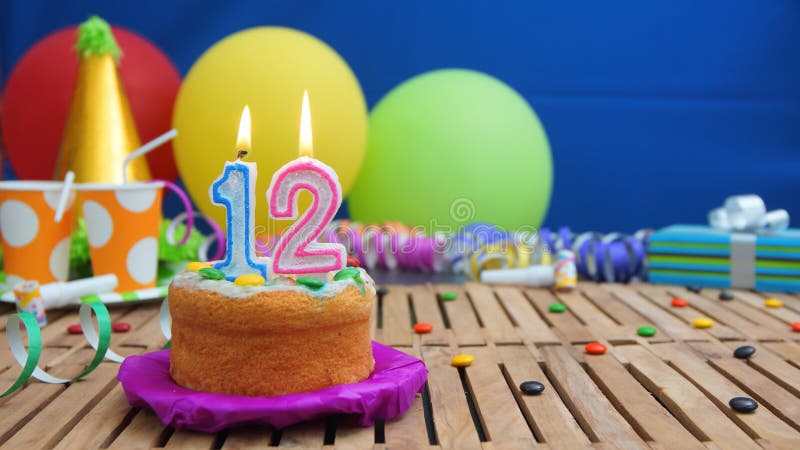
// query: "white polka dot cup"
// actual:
[[35, 247], [122, 226]]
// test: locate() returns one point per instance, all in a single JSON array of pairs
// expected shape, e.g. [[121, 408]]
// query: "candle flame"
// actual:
[[243, 140], [306, 145]]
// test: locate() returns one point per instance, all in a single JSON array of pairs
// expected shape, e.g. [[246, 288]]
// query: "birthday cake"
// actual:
[[263, 339]]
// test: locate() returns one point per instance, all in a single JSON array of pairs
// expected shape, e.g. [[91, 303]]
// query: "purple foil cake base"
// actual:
[[387, 393]]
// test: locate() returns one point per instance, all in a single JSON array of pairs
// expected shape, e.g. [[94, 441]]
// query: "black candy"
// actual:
[[725, 295], [382, 291], [744, 351], [695, 289], [531, 388], [743, 404]]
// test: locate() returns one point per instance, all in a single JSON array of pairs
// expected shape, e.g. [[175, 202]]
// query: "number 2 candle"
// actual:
[[234, 190], [298, 251]]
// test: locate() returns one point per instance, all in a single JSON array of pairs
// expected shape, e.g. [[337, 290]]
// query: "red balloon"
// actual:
[[39, 90]]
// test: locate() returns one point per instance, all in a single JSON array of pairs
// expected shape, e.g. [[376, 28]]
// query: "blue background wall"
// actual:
[[655, 110]]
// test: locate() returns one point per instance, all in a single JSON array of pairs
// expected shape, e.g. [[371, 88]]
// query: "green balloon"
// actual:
[[450, 147]]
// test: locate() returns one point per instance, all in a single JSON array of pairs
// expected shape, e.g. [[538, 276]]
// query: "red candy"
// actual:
[[75, 329], [679, 302], [423, 327], [595, 348], [796, 326], [121, 327], [352, 261]]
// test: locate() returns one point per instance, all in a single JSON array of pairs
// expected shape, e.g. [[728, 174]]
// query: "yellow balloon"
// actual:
[[267, 68]]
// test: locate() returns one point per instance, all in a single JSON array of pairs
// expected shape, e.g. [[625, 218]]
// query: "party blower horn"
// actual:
[[100, 131]]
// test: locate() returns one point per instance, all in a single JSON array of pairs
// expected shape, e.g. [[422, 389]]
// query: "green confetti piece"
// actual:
[[95, 38], [310, 282]]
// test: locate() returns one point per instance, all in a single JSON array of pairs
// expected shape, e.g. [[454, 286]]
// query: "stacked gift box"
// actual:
[[698, 255]]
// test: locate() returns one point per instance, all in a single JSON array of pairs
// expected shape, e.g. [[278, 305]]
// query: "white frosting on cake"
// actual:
[[193, 280]]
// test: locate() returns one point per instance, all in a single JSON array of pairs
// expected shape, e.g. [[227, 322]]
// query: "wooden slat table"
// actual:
[[666, 391]]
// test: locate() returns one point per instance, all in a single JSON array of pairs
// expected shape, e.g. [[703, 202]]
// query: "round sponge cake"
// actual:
[[269, 340]]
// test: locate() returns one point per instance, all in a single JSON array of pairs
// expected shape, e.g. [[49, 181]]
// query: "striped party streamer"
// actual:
[[479, 246], [612, 257], [99, 338]]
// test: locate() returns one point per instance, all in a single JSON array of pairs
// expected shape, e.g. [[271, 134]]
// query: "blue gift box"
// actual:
[[699, 255]]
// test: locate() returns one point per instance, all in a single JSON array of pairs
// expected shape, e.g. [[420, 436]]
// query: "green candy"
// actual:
[[355, 274], [310, 282], [449, 296], [211, 274], [558, 307], [349, 272], [646, 331]]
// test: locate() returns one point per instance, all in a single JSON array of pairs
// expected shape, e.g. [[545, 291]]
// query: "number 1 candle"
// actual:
[[298, 251], [234, 190]]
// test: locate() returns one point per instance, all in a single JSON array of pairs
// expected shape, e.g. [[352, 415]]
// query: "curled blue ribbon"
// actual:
[[613, 257]]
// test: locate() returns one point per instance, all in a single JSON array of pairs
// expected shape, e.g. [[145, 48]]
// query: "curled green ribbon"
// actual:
[[34, 343], [28, 358]]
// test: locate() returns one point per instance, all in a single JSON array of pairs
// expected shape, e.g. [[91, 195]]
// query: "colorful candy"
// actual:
[[595, 348], [744, 351], [531, 387], [773, 303], [348, 272], [310, 282], [352, 261], [462, 360], [196, 266], [211, 274], [422, 328], [557, 308], [121, 327], [679, 302], [796, 326], [726, 295], [249, 279], [743, 404], [449, 296], [646, 331], [75, 329], [703, 322]]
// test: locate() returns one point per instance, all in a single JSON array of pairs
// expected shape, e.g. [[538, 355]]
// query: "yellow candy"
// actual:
[[462, 360], [773, 303], [249, 279], [197, 265], [703, 322]]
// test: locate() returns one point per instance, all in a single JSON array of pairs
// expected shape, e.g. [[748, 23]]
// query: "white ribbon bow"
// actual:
[[748, 213]]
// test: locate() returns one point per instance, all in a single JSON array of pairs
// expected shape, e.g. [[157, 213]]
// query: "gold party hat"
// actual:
[[100, 131]]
